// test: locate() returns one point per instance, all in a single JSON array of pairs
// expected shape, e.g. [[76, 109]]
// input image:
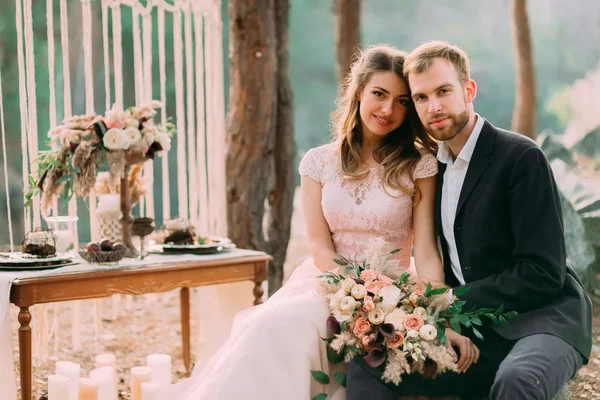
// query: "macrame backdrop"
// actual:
[[199, 116]]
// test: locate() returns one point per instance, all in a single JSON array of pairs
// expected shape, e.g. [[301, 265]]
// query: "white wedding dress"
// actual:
[[273, 347]]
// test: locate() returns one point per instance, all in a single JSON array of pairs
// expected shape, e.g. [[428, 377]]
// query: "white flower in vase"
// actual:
[[133, 135], [165, 142], [115, 139]]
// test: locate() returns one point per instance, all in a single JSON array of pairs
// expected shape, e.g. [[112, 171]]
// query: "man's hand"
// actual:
[[469, 353]]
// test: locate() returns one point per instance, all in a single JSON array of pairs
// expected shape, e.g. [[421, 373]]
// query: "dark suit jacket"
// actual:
[[509, 238]]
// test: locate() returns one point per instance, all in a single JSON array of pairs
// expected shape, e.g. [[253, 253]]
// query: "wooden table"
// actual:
[[130, 280]]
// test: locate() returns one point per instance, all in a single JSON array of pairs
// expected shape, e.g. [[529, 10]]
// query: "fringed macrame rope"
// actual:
[[149, 166], [106, 49], [180, 113], [201, 128], [23, 110], [86, 12], [32, 106], [51, 79], [191, 124], [219, 188], [163, 114], [118, 55], [138, 68], [6, 186]]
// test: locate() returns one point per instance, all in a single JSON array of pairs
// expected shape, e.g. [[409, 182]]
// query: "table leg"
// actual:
[[184, 296], [258, 293], [25, 352]]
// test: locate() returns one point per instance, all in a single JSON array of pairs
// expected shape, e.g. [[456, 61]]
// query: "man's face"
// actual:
[[441, 100]]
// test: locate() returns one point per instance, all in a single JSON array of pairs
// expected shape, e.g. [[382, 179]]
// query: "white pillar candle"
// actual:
[[138, 376], [88, 389], [160, 364], [107, 360], [149, 389], [107, 387], [58, 387], [71, 370]]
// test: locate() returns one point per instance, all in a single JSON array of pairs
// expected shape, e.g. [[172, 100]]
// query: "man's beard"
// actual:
[[456, 124]]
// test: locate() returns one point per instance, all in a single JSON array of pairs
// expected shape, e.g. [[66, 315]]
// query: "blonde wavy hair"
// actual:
[[397, 153]]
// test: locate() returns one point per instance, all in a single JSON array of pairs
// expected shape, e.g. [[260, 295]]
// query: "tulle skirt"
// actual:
[[270, 351]]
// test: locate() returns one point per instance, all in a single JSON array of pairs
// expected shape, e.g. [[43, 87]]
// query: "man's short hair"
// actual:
[[420, 59]]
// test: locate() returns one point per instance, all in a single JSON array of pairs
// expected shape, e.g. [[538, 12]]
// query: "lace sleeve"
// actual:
[[426, 167], [311, 165]]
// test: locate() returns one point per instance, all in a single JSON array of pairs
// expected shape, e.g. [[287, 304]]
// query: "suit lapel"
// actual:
[[480, 160]]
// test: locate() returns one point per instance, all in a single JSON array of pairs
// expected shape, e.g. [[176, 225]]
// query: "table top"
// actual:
[[154, 263]]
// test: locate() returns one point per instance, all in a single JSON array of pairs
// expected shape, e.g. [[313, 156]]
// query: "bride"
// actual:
[[375, 181]]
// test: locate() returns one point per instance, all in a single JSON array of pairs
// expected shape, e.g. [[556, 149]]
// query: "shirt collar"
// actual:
[[444, 155]]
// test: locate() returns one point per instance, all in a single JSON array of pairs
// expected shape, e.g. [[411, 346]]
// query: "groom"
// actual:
[[499, 221]]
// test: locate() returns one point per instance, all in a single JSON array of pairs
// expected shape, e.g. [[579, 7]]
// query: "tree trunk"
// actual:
[[281, 198], [524, 112], [260, 144], [346, 15]]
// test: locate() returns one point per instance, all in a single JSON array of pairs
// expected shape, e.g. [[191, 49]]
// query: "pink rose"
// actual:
[[361, 327], [413, 298], [374, 286], [366, 342], [114, 119], [413, 321], [385, 279], [397, 341], [368, 275], [368, 304]]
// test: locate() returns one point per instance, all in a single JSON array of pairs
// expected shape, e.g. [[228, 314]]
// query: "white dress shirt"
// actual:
[[454, 177]]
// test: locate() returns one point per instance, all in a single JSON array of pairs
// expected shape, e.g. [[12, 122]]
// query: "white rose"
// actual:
[[412, 334], [390, 296], [376, 316], [164, 140], [342, 316], [115, 139], [134, 136], [347, 285], [396, 318], [348, 304], [359, 292], [428, 332], [421, 312]]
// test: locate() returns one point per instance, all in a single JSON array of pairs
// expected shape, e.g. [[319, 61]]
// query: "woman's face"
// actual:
[[383, 104]]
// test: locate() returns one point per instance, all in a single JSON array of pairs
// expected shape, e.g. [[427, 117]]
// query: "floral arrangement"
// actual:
[[83, 145], [398, 321]]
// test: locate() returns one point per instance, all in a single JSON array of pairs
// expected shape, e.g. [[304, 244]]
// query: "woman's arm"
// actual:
[[427, 258], [319, 236]]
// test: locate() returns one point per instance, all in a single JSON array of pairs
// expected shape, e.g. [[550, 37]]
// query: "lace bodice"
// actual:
[[359, 212]]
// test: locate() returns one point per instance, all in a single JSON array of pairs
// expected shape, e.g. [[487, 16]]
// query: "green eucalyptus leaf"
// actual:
[[347, 270], [461, 290], [503, 321], [478, 334], [320, 377], [340, 377], [511, 314], [492, 317], [428, 290], [438, 291], [476, 320], [64, 178], [320, 396], [395, 251], [340, 262], [500, 309], [455, 324]]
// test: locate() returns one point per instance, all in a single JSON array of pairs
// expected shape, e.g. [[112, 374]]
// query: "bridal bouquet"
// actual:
[[394, 321]]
